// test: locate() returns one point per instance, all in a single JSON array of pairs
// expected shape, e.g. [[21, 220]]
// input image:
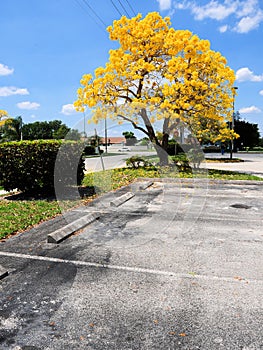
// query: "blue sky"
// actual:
[[46, 47]]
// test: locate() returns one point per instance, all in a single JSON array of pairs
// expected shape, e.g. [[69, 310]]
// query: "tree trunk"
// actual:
[[161, 151], [162, 154]]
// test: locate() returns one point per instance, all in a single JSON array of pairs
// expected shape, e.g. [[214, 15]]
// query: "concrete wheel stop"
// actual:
[[66, 231], [122, 199], [3, 272], [145, 185]]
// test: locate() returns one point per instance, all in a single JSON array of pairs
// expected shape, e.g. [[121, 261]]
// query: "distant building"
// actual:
[[113, 140]]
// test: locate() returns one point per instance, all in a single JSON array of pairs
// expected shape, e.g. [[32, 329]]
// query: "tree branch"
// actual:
[[134, 124]]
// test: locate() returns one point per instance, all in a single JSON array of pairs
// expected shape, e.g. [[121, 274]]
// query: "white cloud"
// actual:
[[251, 109], [12, 90], [28, 105], [213, 9], [247, 13], [248, 23], [247, 7], [4, 70], [68, 109], [261, 92], [223, 29], [165, 4], [245, 74]]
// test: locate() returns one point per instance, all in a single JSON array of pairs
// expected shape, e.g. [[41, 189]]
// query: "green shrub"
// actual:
[[31, 165], [257, 149], [89, 150], [136, 162], [195, 156], [181, 161]]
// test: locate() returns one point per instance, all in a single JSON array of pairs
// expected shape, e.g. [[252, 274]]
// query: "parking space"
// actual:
[[176, 266]]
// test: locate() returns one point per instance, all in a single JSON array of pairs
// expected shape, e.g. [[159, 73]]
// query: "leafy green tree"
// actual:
[[4, 117], [248, 132], [130, 138], [37, 131], [61, 132], [94, 140], [74, 135], [12, 130], [45, 130]]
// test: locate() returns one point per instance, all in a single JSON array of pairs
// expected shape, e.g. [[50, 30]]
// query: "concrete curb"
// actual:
[[66, 231], [3, 272], [122, 199], [145, 185], [180, 181]]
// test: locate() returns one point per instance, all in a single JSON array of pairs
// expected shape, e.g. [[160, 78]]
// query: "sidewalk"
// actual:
[[252, 163]]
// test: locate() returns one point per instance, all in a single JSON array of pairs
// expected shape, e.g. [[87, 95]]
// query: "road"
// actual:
[[253, 163], [117, 161]]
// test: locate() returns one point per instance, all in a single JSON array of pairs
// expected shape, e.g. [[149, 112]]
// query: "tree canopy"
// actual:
[[161, 74], [45, 130], [4, 118], [130, 138], [13, 129], [248, 132]]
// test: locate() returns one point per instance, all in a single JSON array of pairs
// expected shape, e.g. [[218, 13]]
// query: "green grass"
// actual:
[[231, 175], [113, 179], [18, 215], [223, 160]]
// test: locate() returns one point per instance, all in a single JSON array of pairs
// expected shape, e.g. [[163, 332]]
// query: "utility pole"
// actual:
[[20, 127], [106, 136], [84, 126], [98, 146]]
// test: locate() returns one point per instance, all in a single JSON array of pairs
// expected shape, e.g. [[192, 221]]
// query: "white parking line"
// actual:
[[130, 269]]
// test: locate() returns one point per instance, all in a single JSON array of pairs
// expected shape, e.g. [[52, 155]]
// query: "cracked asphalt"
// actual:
[[178, 266]]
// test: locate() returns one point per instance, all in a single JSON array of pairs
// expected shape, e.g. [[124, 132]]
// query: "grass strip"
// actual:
[[18, 215], [114, 179]]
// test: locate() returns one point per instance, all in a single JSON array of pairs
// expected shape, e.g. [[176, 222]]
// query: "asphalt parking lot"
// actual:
[[177, 266]]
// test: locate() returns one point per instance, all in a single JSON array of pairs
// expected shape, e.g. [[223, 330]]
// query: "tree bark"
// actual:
[[162, 154], [161, 151]]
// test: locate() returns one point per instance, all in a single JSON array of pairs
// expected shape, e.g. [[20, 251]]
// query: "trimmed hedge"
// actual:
[[31, 165], [89, 150]]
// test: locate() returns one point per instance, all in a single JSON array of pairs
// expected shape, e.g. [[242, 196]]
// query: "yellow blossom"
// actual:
[[158, 67]]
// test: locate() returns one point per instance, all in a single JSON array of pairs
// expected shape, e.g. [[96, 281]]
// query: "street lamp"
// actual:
[[233, 121]]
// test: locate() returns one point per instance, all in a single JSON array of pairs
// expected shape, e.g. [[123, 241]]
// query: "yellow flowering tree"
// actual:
[[161, 74], [4, 118]]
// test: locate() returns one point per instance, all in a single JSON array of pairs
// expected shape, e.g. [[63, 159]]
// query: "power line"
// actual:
[[130, 6], [124, 9], [84, 5], [116, 8], [89, 9], [84, 9], [94, 12]]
